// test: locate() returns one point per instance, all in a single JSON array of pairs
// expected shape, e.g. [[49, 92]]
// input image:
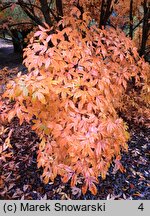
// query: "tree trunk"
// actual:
[[105, 12], [45, 11], [59, 8], [101, 14], [145, 28], [16, 42], [131, 19]]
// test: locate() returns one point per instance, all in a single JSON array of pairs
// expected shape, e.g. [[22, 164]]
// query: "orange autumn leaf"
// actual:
[[93, 189]]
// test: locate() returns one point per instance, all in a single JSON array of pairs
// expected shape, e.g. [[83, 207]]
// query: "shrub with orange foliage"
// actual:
[[76, 81]]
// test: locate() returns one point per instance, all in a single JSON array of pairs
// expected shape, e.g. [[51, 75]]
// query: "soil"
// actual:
[[21, 179]]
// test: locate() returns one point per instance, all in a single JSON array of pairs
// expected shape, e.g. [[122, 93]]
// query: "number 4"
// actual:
[[141, 207]]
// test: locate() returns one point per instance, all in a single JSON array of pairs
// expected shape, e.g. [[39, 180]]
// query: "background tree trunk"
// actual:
[[145, 29]]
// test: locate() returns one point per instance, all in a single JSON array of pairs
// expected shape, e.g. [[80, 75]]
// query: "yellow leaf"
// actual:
[[78, 94], [41, 98]]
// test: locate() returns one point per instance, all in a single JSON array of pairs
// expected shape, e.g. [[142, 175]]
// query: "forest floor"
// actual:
[[21, 179]]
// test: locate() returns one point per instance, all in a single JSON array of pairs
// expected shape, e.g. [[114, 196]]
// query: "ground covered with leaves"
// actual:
[[21, 179]]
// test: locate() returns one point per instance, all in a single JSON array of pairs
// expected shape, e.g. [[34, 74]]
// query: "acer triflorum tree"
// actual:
[[77, 80]]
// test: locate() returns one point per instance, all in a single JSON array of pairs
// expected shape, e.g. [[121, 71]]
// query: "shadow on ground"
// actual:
[[8, 58]]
